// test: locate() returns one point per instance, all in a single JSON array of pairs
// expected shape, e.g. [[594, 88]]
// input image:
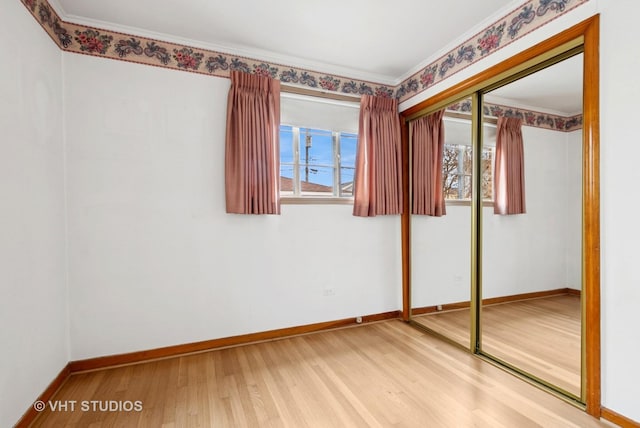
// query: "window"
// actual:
[[318, 139], [316, 162], [456, 172], [457, 157]]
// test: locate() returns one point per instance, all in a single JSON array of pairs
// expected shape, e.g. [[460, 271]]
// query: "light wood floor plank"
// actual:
[[385, 374]]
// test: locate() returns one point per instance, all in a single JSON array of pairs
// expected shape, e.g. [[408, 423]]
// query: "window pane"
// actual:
[[467, 159], [487, 176], [286, 145], [316, 161], [466, 190], [316, 147], [450, 160], [346, 181], [451, 186], [348, 144], [320, 179], [286, 159]]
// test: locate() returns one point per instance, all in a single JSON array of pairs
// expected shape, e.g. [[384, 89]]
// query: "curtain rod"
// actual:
[[321, 94]]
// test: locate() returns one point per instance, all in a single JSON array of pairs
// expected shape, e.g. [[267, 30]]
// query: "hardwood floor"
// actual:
[[375, 375], [541, 336]]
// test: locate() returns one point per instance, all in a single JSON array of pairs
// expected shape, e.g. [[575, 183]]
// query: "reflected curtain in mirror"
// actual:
[[509, 168], [427, 145], [252, 153], [378, 183]]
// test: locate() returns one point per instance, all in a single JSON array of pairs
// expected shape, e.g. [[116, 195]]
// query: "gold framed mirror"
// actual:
[[531, 245], [580, 38]]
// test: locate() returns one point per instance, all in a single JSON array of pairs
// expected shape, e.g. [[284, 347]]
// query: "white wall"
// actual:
[[521, 253], [154, 258], [441, 258], [620, 229], [33, 309], [527, 253]]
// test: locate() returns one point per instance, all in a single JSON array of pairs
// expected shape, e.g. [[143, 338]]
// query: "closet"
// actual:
[[508, 267]]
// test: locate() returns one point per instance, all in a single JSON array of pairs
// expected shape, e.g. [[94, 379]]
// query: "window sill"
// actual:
[[315, 200]]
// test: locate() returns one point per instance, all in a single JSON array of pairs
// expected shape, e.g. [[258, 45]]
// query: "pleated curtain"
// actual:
[[508, 180], [427, 145], [378, 182], [252, 154]]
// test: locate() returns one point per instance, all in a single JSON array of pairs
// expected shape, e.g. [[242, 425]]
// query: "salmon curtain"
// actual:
[[509, 196], [378, 183], [427, 146], [252, 153]]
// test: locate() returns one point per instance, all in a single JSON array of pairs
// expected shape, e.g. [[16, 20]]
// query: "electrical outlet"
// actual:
[[359, 320], [439, 307]]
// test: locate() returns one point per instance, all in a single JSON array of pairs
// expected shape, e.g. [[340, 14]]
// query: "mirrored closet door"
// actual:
[[531, 279], [496, 257], [441, 237], [509, 266]]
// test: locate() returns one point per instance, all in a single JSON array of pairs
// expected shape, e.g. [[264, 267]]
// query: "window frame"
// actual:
[[461, 174], [297, 196]]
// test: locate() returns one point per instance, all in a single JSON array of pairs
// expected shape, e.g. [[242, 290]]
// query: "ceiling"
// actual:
[[555, 89], [379, 40]]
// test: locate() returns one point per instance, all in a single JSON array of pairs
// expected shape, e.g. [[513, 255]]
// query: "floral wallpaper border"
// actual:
[[529, 117], [126, 47], [523, 20]]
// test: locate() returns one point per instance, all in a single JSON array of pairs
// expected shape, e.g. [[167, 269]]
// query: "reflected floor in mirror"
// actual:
[[540, 336]]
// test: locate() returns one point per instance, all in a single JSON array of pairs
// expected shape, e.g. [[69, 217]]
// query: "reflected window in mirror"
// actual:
[[457, 159], [456, 169]]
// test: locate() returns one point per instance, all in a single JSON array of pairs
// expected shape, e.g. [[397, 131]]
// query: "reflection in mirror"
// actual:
[[440, 246], [531, 262]]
